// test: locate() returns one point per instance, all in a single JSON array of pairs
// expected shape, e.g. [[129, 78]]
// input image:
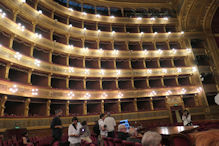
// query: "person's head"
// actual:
[[84, 123], [25, 133], [108, 114], [121, 128], [74, 120], [186, 112], [132, 132], [58, 112], [102, 116], [151, 139]]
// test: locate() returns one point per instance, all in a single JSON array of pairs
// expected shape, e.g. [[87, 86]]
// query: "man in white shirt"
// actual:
[[74, 132], [110, 125]]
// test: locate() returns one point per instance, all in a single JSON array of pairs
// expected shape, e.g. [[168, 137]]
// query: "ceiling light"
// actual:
[[179, 70], [182, 32], [37, 62], [155, 32], [112, 17], [165, 18], [71, 94], [98, 15], [70, 9], [40, 11], [169, 32], [18, 56], [84, 13]]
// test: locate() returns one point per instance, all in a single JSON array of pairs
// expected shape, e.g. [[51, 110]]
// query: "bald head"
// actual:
[[151, 139]]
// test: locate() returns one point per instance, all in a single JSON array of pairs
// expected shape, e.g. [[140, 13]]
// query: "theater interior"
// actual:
[[142, 60]]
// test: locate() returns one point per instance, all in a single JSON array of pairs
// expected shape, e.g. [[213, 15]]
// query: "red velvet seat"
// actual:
[[110, 141], [105, 141], [180, 140], [127, 143], [138, 144], [117, 141]]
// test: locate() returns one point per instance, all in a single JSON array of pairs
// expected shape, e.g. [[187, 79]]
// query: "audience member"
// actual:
[[151, 139], [110, 125], [96, 129], [122, 132], [186, 118], [103, 132], [102, 127], [133, 136], [26, 140], [56, 126], [85, 132], [74, 131]]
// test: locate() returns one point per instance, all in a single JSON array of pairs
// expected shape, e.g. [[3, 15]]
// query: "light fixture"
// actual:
[[23, 1], [174, 51], [98, 30], [102, 72], [182, 32], [34, 91], [145, 52], [112, 17], [71, 69], [169, 32], [142, 32], [199, 89], [169, 92], [39, 36], [183, 91], [18, 56], [165, 18], [87, 95], [0, 45], [98, 15], [2, 14], [104, 95], [40, 11], [71, 46], [139, 18], [152, 18], [120, 95], [70, 9], [115, 52], [87, 72], [160, 51], [84, 13], [179, 70], [85, 29], [100, 50], [13, 89], [164, 70], [113, 32], [21, 27], [155, 32], [70, 25], [149, 71], [194, 69], [71, 94], [189, 50], [153, 93], [118, 72], [37, 62]]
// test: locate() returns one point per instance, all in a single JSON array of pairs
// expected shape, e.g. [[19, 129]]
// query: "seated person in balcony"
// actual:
[[56, 126], [151, 139], [186, 118], [133, 136], [26, 140], [122, 132], [85, 132], [74, 132]]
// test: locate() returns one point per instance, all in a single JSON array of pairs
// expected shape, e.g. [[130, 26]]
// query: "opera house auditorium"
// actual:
[[109, 72]]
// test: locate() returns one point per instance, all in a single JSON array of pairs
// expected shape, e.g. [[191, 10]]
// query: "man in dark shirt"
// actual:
[[56, 127]]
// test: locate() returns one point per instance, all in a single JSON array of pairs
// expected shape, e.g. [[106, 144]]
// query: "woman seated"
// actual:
[[85, 132]]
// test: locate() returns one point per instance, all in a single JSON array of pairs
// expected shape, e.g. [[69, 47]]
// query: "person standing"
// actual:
[[74, 132], [110, 125], [103, 132], [56, 126], [186, 118]]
